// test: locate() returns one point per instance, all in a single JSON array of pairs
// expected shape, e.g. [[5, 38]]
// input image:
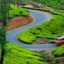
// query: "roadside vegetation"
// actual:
[[20, 2], [53, 56], [18, 11], [58, 52], [19, 55], [56, 4], [58, 55], [49, 29], [15, 54]]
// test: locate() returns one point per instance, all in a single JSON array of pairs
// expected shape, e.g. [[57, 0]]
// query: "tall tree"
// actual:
[[4, 8]]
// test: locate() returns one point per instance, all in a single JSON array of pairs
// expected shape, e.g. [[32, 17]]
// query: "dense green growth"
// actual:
[[51, 41], [23, 2], [57, 4], [49, 29], [47, 10], [59, 51], [17, 11], [4, 8], [18, 55]]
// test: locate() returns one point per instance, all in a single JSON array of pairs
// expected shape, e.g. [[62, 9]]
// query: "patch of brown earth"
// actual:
[[18, 21], [41, 41], [0, 24]]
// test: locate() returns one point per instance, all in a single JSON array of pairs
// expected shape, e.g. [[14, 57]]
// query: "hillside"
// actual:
[[56, 4], [49, 29], [18, 55], [16, 11]]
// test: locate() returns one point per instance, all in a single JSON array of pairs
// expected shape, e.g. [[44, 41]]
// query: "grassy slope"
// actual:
[[49, 29], [19, 55], [16, 11]]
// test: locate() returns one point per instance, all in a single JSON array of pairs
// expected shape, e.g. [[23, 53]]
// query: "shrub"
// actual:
[[59, 51], [25, 14], [56, 60], [19, 55], [51, 41], [16, 11], [49, 29], [27, 37], [56, 4], [46, 57]]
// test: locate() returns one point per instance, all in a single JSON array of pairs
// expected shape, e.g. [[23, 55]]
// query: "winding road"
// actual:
[[40, 18]]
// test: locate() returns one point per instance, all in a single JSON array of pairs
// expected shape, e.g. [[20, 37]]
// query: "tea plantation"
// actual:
[[49, 29], [56, 4], [15, 54], [59, 51], [18, 11]]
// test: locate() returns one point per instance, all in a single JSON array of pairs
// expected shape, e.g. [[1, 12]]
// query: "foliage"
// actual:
[[17, 11], [2, 34], [20, 1], [27, 37], [59, 51], [4, 9], [47, 10], [49, 29], [56, 60], [16, 54], [56, 4], [51, 41], [46, 57]]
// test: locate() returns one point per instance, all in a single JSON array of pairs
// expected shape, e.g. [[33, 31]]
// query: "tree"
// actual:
[[4, 8]]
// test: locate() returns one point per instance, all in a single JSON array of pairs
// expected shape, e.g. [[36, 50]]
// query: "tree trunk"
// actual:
[[4, 26]]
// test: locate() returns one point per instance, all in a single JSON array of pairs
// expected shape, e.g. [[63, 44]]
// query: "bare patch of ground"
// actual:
[[41, 41]]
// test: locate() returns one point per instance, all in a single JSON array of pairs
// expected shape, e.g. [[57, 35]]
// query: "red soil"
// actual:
[[18, 21], [0, 24]]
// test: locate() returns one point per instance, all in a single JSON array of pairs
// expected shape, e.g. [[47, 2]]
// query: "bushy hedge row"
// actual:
[[56, 4], [18, 55], [51, 41], [47, 10], [49, 29], [59, 51], [26, 36], [17, 11]]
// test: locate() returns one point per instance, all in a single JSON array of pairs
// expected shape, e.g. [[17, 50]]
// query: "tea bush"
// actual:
[[16, 54], [56, 60], [51, 41], [27, 37], [59, 51], [49, 29], [18, 11], [56, 4]]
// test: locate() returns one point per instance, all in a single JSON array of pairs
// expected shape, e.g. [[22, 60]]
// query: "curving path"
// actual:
[[40, 18]]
